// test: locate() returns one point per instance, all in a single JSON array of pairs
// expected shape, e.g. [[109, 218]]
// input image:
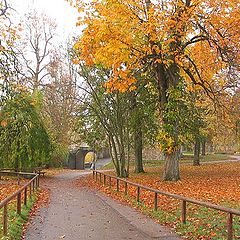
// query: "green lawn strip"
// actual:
[[206, 158], [188, 158], [201, 222], [108, 166], [16, 221]]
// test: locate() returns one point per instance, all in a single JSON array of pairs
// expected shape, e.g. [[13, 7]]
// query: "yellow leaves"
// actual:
[[132, 88], [120, 33], [166, 142], [75, 61], [156, 48], [158, 60], [33, 102], [190, 88], [121, 81]]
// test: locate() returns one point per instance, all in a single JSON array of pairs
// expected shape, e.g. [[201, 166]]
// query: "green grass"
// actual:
[[201, 223], [108, 166], [16, 221], [187, 158]]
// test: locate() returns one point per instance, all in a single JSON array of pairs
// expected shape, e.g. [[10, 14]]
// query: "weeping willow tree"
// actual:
[[24, 141]]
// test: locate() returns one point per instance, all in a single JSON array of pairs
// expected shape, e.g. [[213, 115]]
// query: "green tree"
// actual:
[[24, 142], [177, 41]]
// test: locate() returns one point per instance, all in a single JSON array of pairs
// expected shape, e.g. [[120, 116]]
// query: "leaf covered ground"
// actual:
[[9, 185], [215, 183], [17, 223]]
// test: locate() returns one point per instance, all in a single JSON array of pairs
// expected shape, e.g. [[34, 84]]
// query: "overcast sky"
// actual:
[[60, 10]]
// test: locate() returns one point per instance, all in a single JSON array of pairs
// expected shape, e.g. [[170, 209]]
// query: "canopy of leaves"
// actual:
[[24, 141], [200, 37]]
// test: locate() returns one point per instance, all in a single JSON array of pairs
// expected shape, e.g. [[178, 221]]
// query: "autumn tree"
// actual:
[[9, 34], [236, 116], [22, 128], [189, 42], [35, 47], [223, 124], [60, 101], [110, 112], [143, 121]]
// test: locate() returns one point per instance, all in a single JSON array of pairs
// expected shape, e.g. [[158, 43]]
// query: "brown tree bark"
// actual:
[[165, 81], [138, 137], [204, 147], [138, 150], [196, 161], [171, 167]]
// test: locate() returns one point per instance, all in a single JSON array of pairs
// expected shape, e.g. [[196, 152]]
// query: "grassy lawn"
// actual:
[[218, 184], [15, 221], [8, 186], [187, 158]]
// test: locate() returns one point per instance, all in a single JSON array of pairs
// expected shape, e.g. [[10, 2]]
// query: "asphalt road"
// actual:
[[80, 213]]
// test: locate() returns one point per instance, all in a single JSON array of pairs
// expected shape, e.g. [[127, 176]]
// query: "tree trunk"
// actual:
[[138, 150], [171, 168], [114, 154], [204, 147], [196, 161], [17, 159]]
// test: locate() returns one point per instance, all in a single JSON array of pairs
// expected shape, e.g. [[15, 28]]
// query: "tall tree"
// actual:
[[35, 48], [22, 128], [110, 111], [60, 97], [178, 41], [8, 37]]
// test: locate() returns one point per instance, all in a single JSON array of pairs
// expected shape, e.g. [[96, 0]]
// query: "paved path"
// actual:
[[79, 214], [102, 162]]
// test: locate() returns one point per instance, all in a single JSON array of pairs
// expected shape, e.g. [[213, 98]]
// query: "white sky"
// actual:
[[59, 10]]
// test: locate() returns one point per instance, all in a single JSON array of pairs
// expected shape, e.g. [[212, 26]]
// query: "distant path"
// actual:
[[102, 162], [80, 214], [233, 158]]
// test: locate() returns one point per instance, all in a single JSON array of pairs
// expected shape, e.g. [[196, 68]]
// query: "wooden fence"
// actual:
[[184, 200], [29, 187]]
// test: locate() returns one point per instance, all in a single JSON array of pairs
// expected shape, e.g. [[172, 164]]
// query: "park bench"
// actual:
[[39, 170]]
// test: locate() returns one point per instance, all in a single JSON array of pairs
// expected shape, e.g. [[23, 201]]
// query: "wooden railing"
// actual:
[[28, 188], [230, 211]]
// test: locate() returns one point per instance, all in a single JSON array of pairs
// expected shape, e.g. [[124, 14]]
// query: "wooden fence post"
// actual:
[[156, 192], [38, 181], [19, 204], [138, 194], [30, 190], [230, 226], [5, 220], [110, 182], [25, 196], [184, 211], [126, 188], [33, 185], [104, 179], [155, 201], [100, 177], [117, 185]]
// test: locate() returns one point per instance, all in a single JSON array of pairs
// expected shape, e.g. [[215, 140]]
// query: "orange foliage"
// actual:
[[128, 35], [9, 186], [215, 183]]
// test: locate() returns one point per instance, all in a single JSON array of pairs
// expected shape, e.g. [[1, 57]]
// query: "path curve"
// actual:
[[80, 214]]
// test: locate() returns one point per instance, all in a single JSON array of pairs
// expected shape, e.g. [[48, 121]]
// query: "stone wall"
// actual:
[[152, 154]]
